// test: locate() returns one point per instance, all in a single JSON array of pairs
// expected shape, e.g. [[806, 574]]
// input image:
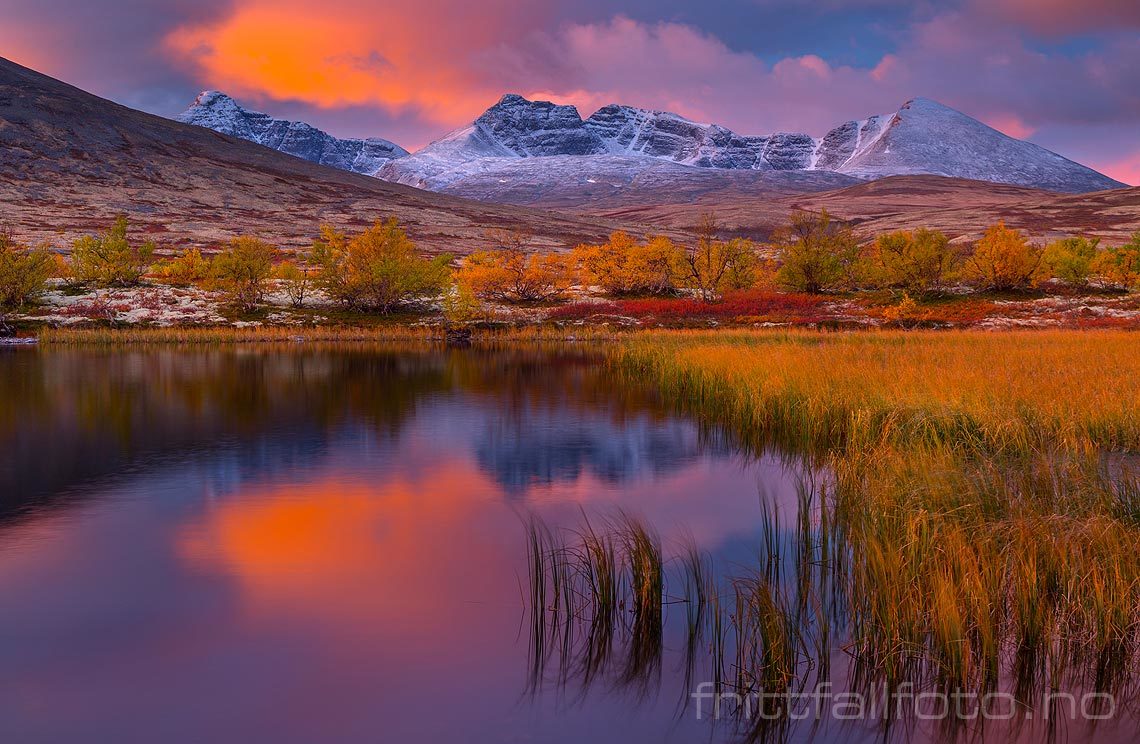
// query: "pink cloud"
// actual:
[[1009, 124], [1125, 169]]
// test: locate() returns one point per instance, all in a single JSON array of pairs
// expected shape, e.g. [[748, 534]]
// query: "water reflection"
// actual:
[[320, 544], [328, 544]]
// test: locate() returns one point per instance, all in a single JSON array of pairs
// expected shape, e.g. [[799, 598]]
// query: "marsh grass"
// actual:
[[1011, 393], [969, 535]]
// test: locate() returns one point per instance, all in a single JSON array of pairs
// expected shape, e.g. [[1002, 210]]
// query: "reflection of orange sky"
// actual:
[[355, 550], [344, 52], [404, 552]]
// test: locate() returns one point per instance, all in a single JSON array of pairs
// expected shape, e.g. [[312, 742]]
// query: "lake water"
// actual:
[[329, 545]]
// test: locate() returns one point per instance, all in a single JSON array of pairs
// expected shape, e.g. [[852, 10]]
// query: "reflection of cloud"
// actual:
[[350, 548], [539, 447]]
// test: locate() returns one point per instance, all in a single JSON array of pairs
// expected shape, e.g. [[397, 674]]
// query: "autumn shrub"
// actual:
[[242, 271], [295, 279], [23, 272], [512, 275], [711, 267], [623, 266], [1119, 267], [1071, 259], [460, 305], [816, 253], [377, 269], [110, 259], [906, 313], [1005, 260], [187, 268], [917, 261]]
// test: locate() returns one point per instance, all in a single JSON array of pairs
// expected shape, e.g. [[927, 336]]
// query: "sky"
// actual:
[[1064, 74]]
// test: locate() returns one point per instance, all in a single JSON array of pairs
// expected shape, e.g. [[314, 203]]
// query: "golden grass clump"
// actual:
[[980, 531]]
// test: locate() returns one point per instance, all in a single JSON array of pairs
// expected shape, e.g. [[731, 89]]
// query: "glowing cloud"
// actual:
[[340, 53]]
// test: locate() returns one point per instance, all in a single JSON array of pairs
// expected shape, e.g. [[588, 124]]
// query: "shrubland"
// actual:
[[908, 278]]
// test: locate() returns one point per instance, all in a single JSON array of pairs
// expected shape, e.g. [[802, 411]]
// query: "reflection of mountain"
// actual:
[[72, 416], [539, 446]]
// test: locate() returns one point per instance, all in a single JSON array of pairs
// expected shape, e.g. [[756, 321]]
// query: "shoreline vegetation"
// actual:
[[813, 272], [971, 524]]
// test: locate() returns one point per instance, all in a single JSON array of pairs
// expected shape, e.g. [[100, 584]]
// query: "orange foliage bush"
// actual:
[[623, 266], [1005, 260], [511, 275]]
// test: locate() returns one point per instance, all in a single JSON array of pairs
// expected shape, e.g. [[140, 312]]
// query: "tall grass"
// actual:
[[994, 392], [973, 532]]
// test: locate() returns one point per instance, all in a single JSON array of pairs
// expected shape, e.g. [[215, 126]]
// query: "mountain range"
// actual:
[[520, 149], [70, 161]]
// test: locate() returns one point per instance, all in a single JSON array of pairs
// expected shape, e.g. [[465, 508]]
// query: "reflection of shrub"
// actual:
[[1005, 260], [243, 269], [23, 272], [110, 259], [377, 269]]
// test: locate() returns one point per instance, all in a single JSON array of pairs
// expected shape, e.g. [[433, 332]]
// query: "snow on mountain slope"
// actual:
[[613, 180], [923, 137], [660, 134], [221, 113]]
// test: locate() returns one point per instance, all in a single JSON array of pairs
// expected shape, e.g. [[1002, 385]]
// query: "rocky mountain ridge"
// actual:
[[217, 111], [922, 137]]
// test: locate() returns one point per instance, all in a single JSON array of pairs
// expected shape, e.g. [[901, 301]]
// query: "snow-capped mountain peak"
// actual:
[[537, 128], [922, 137], [215, 110]]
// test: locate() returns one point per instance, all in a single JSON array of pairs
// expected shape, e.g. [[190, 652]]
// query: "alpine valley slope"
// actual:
[[554, 154], [71, 161], [961, 208]]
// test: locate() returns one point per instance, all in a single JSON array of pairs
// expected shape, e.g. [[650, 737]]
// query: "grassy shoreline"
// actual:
[[977, 535], [284, 334]]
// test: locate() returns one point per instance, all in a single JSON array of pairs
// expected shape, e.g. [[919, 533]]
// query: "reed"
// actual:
[[993, 392], [974, 531]]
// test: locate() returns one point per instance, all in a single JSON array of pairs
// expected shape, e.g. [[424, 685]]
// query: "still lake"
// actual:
[[328, 544]]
